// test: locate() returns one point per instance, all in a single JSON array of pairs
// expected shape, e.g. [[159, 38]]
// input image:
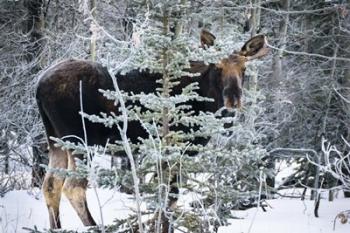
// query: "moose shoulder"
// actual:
[[58, 96]]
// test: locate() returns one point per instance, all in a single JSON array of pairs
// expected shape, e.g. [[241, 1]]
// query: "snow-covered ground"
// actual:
[[291, 216], [20, 209]]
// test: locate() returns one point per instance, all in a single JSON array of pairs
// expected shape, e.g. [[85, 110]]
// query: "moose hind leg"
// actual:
[[52, 185], [75, 190]]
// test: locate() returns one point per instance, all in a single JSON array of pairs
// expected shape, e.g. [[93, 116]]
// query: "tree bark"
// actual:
[[40, 157], [277, 67], [35, 26], [5, 151], [93, 32], [282, 38]]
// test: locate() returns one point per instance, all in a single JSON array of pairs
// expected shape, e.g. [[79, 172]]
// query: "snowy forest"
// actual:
[[274, 158]]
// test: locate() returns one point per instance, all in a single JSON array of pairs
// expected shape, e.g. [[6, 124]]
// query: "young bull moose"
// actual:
[[58, 98]]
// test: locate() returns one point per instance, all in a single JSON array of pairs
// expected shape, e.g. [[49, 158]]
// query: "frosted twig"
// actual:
[[89, 158], [128, 151], [309, 54]]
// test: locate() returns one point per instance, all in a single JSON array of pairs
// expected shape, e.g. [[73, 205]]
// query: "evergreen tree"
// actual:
[[232, 163]]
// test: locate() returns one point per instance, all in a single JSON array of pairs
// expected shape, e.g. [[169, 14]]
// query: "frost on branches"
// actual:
[[223, 175]]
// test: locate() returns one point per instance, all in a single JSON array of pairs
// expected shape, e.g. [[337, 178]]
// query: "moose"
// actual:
[[62, 86]]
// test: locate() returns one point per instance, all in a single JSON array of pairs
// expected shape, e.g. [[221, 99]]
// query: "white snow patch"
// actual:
[[20, 209], [290, 216]]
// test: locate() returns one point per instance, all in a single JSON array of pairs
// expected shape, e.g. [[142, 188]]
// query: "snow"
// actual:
[[22, 208], [290, 216]]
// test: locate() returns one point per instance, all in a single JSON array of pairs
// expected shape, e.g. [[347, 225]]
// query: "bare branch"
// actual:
[[309, 54]]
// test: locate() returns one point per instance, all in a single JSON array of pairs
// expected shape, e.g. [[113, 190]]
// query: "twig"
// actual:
[[309, 54], [89, 159], [126, 145]]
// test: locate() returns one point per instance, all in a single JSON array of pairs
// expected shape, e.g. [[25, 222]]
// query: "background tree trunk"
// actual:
[[5, 152], [35, 26], [93, 40], [40, 157], [277, 69]]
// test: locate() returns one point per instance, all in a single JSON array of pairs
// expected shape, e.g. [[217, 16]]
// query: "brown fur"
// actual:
[[232, 69], [52, 185], [75, 191]]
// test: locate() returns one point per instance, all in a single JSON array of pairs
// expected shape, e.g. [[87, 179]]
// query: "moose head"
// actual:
[[229, 77]]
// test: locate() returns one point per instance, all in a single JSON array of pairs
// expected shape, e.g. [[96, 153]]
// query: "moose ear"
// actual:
[[255, 47], [207, 38]]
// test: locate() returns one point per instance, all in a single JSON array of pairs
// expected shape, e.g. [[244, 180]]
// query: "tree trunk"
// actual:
[[254, 23], [5, 152], [345, 92], [34, 26], [93, 40], [282, 38], [277, 68], [40, 157]]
